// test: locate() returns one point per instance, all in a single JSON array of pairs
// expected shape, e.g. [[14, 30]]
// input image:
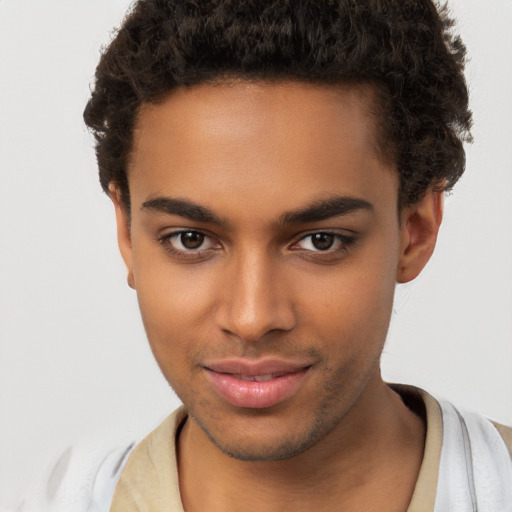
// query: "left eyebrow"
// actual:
[[182, 208], [325, 209]]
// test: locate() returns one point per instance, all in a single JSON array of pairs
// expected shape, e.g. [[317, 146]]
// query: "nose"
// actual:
[[255, 298]]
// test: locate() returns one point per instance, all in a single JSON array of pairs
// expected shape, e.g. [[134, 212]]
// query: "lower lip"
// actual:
[[253, 394]]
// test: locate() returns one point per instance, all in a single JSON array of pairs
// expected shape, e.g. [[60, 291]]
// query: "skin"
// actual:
[[257, 287]]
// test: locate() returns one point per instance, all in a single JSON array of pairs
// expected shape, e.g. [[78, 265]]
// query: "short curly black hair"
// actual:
[[405, 48]]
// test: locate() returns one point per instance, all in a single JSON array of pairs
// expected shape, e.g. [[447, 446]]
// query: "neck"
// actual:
[[369, 461]]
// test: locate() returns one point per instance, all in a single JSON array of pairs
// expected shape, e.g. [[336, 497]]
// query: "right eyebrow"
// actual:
[[325, 209], [182, 208]]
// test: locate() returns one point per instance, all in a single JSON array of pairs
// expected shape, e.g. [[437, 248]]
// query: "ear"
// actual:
[[419, 228], [123, 232]]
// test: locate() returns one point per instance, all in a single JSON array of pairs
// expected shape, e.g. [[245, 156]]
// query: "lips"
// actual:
[[258, 384]]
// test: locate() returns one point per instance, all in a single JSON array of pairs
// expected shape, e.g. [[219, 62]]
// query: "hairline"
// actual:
[[368, 94]]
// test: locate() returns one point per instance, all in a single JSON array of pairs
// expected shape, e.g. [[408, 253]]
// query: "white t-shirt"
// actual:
[[467, 467]]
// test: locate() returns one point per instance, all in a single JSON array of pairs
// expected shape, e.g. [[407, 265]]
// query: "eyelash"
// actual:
[[166, 242], [344, 242]]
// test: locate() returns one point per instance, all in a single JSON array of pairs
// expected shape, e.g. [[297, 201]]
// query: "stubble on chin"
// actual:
[[316, 425]]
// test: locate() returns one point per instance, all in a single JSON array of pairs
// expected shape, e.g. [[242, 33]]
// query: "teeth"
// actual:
[[258, 378], [263, 378]]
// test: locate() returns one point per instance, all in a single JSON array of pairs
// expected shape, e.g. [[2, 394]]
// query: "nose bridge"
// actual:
[[255, 300]]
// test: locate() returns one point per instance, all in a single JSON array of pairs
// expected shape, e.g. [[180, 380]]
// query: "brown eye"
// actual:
[[322, 241], [189, 244], [191, 239]]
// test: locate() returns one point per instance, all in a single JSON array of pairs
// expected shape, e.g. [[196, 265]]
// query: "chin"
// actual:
[[241, 444], [264, 452]]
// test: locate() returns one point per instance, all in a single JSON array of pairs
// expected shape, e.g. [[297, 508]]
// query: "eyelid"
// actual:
[[342, 234], [344, 239], [165, 240], [170, 232]]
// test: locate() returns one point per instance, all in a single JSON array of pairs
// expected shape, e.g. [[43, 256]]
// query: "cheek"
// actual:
[[174, 302], [352, 306]]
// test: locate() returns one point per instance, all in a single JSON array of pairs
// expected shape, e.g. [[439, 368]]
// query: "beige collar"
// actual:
[[150, 482], [424, 496]]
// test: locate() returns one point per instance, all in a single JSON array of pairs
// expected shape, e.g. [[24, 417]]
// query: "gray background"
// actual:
[[74, 362]]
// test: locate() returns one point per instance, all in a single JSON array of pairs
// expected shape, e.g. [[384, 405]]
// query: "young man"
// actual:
[[276, 167]]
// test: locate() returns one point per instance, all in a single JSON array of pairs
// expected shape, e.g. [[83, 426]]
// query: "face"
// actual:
[[264, 247]]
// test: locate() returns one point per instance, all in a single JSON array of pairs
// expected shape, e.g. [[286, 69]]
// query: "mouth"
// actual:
[[257, 378], [256, 385]]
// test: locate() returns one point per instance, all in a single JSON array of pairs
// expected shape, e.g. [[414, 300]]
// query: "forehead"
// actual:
[[282, 143]]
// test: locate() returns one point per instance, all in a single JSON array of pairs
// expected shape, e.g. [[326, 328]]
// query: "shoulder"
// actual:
[[150, 478], [82, 480], [442, 416], [476, 464], [479, 430], [506, 435], [86, 477], [467, 462]]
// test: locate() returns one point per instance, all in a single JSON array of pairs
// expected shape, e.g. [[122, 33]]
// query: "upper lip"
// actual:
[[256, 367]]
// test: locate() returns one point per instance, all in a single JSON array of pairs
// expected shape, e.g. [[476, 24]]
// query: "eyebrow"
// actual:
[[325, 209], [182, 208], [315, 212]]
